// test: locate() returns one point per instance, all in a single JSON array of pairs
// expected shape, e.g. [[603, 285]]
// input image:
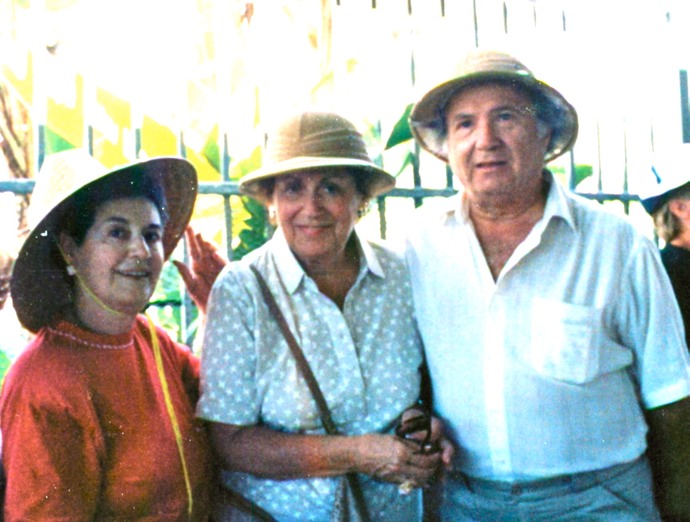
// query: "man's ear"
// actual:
[[546, 138]]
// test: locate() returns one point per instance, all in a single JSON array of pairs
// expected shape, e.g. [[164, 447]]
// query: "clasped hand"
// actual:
[[414, 458]]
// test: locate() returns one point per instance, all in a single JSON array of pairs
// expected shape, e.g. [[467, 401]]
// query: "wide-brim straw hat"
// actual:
[[427, 118], [314, 140], [40, 286], [668, 175]]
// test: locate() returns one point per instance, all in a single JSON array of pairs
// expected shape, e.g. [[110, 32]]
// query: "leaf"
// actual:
[[246, 165], [582, 172], [211, 150], [409, 160], [401, 131], [4, 364], [256, 233]]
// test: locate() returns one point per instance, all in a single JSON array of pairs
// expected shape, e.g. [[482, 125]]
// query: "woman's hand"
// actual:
[[393, 459], [206, 264], [418, 425]]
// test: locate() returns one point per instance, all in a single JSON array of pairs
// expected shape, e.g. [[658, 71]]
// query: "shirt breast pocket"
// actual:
[[563, 341]]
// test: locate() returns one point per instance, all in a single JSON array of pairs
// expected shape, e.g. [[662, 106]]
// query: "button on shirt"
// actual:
[[365, 358], [541, 372]]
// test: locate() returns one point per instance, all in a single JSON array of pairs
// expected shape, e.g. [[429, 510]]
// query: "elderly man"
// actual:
[[553, 340]]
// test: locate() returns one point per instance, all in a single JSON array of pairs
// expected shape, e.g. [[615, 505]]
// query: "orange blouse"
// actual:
[[86, 433]]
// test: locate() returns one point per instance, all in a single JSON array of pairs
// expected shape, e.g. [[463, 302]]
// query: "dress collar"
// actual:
[[78, 336], [292, 273]]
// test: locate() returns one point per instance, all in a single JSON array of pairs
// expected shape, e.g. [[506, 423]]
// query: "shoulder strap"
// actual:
[[304, 367], [171, 414], [324, 412]]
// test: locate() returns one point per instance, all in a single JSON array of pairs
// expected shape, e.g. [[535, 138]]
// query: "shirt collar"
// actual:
[[556, 204], [292, 273]]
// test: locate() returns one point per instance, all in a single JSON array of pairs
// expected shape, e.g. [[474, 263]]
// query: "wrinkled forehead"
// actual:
[[490, 96]]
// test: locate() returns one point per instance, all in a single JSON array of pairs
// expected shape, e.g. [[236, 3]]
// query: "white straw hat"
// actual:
[[427, 119], [40, 287]]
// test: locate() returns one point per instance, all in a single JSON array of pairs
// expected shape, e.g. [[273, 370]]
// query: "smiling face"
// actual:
[[119, 260], [317, 211], [496, 146]]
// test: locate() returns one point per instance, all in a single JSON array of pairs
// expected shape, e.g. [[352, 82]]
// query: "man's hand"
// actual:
[[206, 263]]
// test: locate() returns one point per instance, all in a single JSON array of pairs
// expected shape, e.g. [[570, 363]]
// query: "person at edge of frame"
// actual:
[[667, 199]]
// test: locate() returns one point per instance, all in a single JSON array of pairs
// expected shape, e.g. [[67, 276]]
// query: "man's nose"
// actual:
[[486, 135]]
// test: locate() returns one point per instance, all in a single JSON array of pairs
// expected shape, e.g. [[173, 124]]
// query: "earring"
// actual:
[[70, 270]]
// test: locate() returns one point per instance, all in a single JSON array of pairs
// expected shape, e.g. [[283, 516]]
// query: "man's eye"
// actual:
[[463, 124], [506, 115]]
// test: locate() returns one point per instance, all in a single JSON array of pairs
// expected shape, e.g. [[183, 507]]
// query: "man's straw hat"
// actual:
[[427, 118], [314, 140], [40, 286]]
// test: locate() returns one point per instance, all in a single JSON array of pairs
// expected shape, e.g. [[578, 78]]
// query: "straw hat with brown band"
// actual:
[[316, 140], [427, 119], [40, 286]]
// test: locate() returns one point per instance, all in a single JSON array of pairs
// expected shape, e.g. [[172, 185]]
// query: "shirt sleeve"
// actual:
[[50, 454], [650, 323], [229, 356]]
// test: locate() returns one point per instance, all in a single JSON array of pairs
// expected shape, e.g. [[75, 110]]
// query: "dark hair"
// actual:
[[79, 212]]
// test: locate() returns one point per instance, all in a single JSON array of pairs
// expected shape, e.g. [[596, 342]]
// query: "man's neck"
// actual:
[[501, 227]]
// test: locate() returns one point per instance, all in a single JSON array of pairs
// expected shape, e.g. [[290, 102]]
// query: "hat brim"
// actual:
[[40, 285], [427, 116], [378, 181], [653, 203]]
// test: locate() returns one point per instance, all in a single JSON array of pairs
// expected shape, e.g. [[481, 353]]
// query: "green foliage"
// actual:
[[257, 230], [246, 165], [211, 150], [54, 142], [4, 364], [407, 161], [166, 301], [582, 172], [401, 130]]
